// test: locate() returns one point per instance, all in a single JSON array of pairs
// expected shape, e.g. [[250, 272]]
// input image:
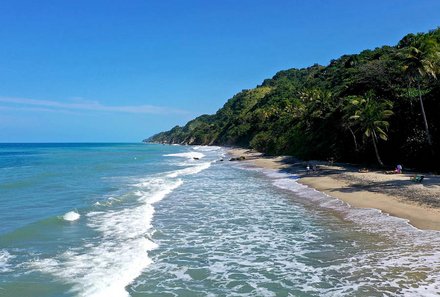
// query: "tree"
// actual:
[[421, 60], [370, 116], [349, 108]]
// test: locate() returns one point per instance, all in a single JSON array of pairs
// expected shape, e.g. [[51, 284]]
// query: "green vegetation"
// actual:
[[370, 115], [339, 111]]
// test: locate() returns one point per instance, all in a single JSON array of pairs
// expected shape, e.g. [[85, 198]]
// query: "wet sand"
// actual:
[[394, 194]]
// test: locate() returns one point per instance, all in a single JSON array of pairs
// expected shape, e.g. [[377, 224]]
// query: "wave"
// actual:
[[107, 262], [417, 249], [103, 268], [369, 219], [190, 170], [188, 155], [205, 148], [192, 166], [5, 256], [71, 216]]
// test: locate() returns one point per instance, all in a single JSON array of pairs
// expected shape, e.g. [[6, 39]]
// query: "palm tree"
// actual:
[[421, 60], [349, 107], [318, 103], [370, 116]]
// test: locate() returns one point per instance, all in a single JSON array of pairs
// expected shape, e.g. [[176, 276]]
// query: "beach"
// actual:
[[137, 220], [393, 194]]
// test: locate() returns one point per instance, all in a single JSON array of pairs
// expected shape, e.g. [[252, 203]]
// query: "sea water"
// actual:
[[154, 220]]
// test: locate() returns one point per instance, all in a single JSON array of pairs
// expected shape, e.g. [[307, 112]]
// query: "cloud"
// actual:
[[36, 109], [80, 104]]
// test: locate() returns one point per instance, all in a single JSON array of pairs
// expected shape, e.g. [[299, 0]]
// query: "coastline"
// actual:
[[394, 194]]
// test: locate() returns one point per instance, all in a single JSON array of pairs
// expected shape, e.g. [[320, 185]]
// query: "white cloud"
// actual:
[[34, 109], [80, 104]]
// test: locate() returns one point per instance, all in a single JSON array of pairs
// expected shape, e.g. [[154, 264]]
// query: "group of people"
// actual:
[[397, 170]]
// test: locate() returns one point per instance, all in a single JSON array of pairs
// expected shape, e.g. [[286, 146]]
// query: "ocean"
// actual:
[[157, 220]]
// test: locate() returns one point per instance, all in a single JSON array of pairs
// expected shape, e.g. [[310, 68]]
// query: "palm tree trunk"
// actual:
[[354, 139], [428, 135], [373, 136], [409, 94]]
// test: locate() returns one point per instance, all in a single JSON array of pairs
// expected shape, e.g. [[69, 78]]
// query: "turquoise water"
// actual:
[[150, 220]]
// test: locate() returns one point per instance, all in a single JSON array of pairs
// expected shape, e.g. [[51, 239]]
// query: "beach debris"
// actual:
[[241, 158], [417, 178]]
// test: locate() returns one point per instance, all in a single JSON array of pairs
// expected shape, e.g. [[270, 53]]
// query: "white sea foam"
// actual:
[[190, 170], [107, 266], [4, 259], [418, 250], [71, 216], [369, 218], [237, 235], [188, 155], [205, 148]]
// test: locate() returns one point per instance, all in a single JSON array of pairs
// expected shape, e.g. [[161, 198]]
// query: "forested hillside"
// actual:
[[378, 106]]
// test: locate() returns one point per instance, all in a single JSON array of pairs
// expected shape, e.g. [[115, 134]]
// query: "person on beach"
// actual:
[[398, 168], [308, 168]]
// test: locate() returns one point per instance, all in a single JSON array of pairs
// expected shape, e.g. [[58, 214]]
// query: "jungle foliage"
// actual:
[[378, 105]]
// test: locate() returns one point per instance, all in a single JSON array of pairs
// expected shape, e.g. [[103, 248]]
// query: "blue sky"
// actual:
[[91, 70]]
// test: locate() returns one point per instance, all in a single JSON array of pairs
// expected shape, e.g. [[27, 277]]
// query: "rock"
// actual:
[[241, 158]]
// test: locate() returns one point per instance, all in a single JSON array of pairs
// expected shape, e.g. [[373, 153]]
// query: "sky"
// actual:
[[120, 71]]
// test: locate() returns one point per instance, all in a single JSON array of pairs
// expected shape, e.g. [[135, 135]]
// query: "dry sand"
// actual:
[[394, 194]]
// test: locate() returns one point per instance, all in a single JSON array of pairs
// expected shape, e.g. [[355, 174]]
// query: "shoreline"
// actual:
[[393, 194]]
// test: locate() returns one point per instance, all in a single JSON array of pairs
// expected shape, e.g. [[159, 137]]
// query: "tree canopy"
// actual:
[[311, 112]]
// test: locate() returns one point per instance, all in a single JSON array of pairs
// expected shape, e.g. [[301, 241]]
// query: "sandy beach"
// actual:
[[394, 194]]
